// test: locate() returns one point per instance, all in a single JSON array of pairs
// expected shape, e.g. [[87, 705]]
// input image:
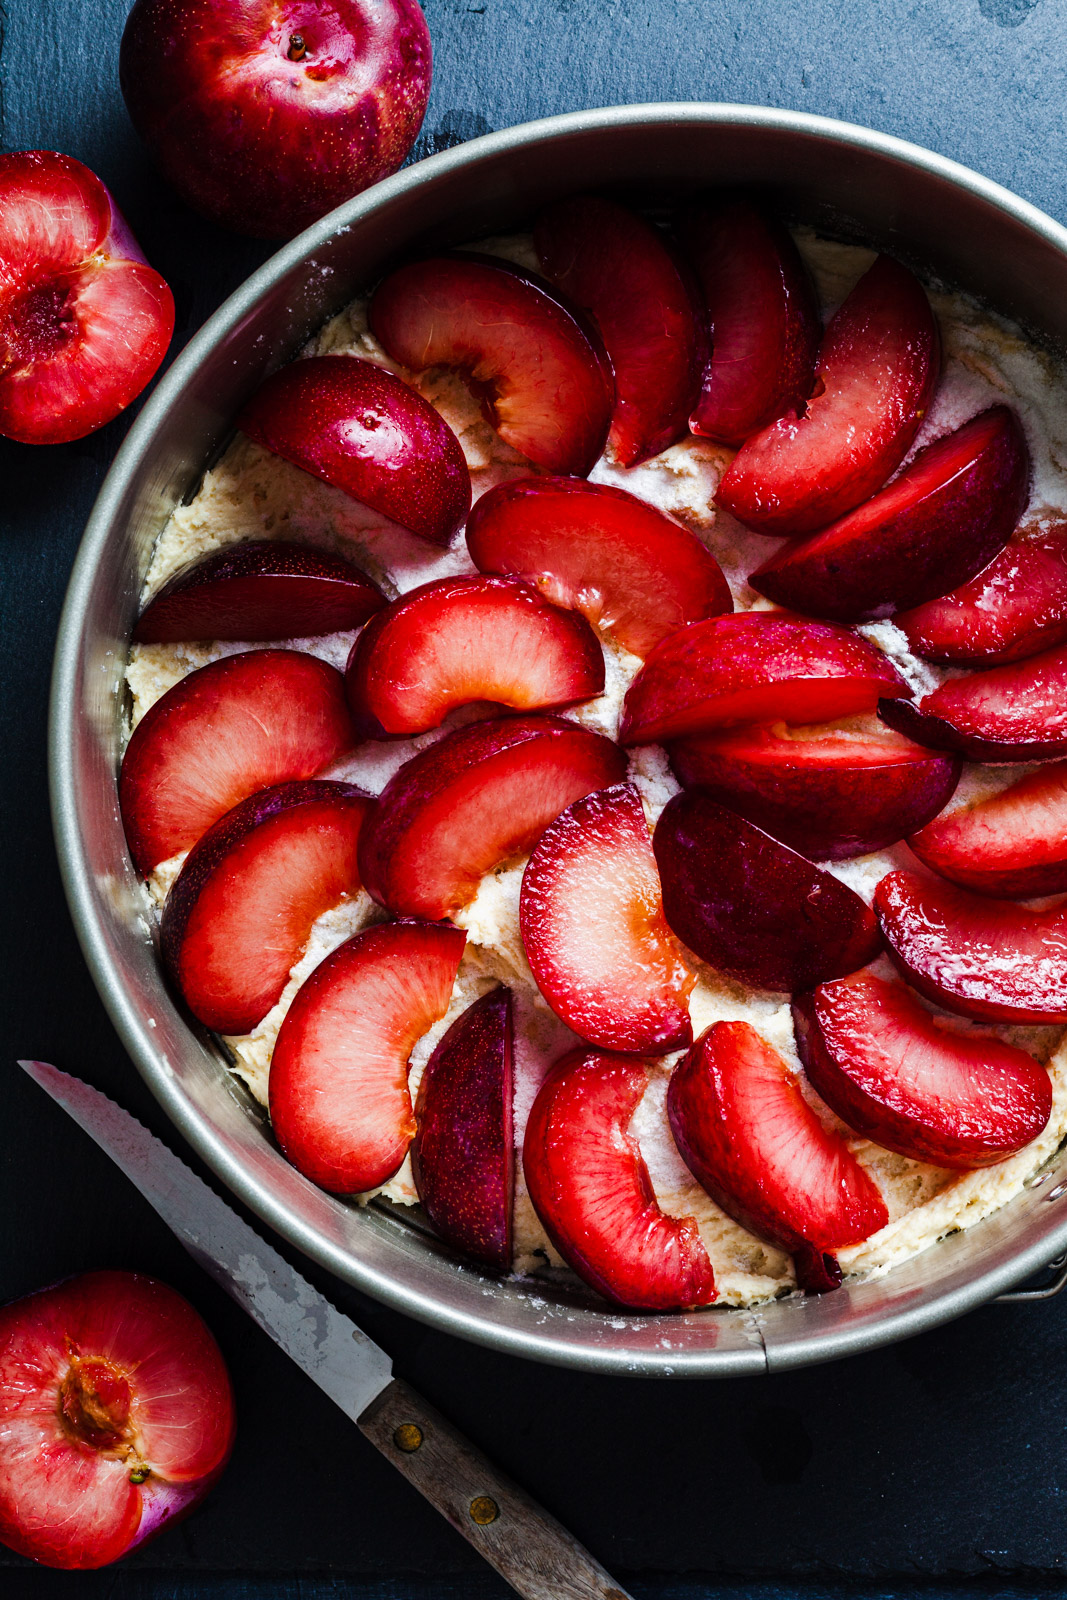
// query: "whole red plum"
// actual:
[[265, 114]]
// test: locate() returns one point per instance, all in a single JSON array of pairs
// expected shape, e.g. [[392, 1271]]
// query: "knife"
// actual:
[[527, 1546]]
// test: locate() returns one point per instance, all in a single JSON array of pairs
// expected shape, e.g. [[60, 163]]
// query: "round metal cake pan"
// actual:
[[851, 183]]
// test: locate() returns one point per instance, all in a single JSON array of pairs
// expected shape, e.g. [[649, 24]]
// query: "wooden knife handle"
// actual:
[[529, 1548]]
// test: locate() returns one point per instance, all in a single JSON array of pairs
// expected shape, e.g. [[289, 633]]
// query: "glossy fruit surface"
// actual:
[[617, 267], [339, 1099], [228, 729], [1016, 607], [478, 797], [889, 1071], [239, 915], [463, 1153], [84, 320], [752, 1141], [459, 640], [1012, 845], [973, 955], [116, 1417], [260, 590], [629, 569], [364, 430], [877, 369], [762, 315], [755, 667], [537, 366], [946, 516], [590, 1187], [751, 907], [829, 797], [1017, 712], [266, 114], [592, 923]]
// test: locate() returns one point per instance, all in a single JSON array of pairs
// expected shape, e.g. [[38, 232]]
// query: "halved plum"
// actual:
[[1012, 845], [877, 370], [1015, 608], [752, 1141], [888, 1070], [84, 320], [751, 907], [240, 912], [1017, 712], [830, 795], [228, 729], [260, 590], [592, 923], [763, 316], [755, 667], [339, 1099], [480, 796], [539, 368], [620, 269], [460, 640], [463, 1153], [941, 521], [616, 559], [590, 1187], [116, 1418], [973, 955], [361, 428]]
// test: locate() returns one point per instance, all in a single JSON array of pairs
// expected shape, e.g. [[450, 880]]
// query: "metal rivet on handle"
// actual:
[[408, 1437], [484, 1510]]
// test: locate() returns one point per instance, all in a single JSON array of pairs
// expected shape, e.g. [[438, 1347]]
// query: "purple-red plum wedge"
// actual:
[[751, 907], [463, 1153], [364, 430]]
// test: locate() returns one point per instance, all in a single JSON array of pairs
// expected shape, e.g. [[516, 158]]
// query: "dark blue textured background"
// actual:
[[938, 1467]]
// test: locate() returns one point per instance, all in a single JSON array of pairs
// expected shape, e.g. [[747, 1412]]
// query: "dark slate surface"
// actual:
[[905, 1472]]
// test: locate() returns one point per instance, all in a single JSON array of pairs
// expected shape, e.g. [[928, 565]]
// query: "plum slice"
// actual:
[[751, 907], [592, 924], [830, 797], [459, 640], [1015, 607], [339, 1099], [260, 590], [620, 562], [763, 317], [620, 269], [889, 1071], [755, 667], [1012, 845], [480, 796], [878, 366], [935, 526], [361, 428], [539, 368], [240, 912], [972, 955], [752, 1141], [84, 320], [463, 1153], [591, 1189], [228, 729], [1017, 712]]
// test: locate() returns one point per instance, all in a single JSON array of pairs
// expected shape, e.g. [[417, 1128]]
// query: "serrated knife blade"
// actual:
[[527, 1546], [335, 1354]]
